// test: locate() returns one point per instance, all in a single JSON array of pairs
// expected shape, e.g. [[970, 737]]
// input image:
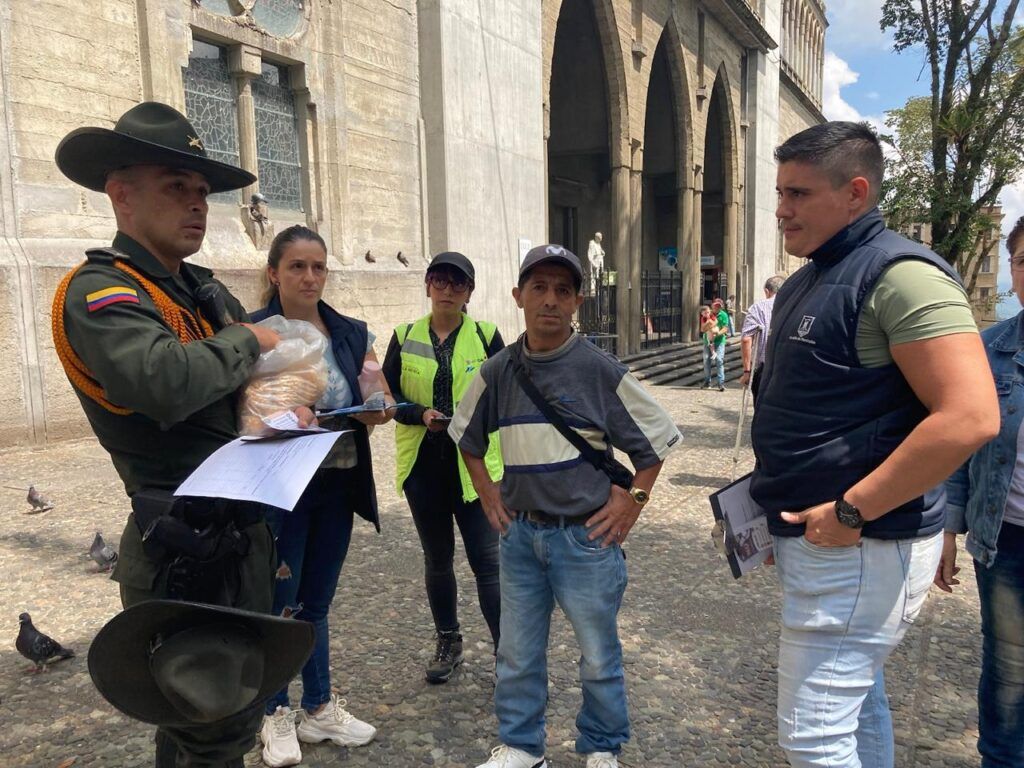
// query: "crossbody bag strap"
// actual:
[[588, 451]]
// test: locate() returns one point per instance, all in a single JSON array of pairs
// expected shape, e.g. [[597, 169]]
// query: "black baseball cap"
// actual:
[[554, 254], [453, 259]]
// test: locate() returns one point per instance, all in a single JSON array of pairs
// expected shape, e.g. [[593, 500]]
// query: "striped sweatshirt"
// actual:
[[594, 393]]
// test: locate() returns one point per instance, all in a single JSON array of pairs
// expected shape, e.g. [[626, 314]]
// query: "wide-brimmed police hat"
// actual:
[[169, 662], [148, 134]]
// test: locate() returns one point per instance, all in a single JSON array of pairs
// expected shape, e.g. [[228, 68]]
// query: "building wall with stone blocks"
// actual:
[[412, 126]]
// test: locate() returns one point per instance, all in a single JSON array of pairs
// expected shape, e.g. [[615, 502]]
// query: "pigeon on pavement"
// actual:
[[39, 502], [37, 647], [102, 553]]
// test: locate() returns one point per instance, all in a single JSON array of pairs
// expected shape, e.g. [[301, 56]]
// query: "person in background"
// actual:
[[730, 310], [754, 334], [713, 324], [985, 500], [313, 539], [430, 363]]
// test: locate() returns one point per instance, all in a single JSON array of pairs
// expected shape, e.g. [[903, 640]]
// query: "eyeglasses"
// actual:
[[1017, 263], [458, 284]]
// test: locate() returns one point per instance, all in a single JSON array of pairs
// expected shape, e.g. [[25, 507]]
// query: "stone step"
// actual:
[[681, 364]]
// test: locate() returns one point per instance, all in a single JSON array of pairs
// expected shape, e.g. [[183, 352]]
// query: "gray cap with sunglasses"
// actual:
[[453, 259]]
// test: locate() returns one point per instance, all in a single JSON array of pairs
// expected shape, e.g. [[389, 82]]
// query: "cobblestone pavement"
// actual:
[[699, 647]]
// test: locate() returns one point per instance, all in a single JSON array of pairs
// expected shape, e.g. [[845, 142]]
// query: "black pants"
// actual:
[[434, 493], [221, 744]]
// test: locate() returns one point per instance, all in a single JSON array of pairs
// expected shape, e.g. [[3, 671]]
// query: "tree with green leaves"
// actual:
[[954, 150]]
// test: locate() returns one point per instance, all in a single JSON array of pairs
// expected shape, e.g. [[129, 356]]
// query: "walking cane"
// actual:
[[743, 414], [718, 529]]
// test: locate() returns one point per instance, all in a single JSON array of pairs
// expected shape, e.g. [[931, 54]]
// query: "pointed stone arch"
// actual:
[[719, 198]]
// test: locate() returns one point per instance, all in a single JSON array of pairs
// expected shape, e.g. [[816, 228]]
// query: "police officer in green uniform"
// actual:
[[155, 349]]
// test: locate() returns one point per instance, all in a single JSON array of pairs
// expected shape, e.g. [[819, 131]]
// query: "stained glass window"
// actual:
[[210, 105], [277, 138], [278, 17]]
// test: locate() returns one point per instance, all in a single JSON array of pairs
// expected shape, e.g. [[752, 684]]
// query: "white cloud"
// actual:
[[854, 25], [1012, 199], [837, 75]]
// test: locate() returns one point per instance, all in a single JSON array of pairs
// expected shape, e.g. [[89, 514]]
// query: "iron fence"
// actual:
[[662, 306]]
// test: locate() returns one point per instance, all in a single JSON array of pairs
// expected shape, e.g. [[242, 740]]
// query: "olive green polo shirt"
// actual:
[[182, 395], [912, 301]]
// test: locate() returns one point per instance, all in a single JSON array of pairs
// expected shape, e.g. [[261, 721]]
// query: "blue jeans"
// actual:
[[1001, 688], [539, 565], [718, 365], [312, 541], [844, 610]]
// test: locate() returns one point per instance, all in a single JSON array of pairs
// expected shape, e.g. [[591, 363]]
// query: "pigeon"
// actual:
[[102, 553], [37, 647], [39, 502], [370, 258], [402, 259]]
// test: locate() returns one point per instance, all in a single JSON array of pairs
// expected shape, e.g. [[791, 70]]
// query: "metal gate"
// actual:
[[596, 316], [662, 307]]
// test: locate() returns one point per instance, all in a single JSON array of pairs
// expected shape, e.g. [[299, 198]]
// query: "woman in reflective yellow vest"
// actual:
[[430, 362]]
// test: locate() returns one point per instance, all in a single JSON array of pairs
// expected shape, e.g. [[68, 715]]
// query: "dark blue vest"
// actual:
[[823, 421], [348, 343]]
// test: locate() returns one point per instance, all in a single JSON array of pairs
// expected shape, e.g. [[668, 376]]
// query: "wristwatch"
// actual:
[[640, 496], [848, 514]]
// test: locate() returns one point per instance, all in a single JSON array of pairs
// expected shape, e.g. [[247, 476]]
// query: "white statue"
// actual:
[[595, 255]]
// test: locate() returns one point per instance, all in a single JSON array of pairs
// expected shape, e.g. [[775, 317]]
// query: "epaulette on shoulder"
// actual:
[[104, 255]]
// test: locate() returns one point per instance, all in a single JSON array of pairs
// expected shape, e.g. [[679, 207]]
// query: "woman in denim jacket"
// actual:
[[986, 501]]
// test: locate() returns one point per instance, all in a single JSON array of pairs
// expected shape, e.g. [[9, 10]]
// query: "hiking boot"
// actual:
[[602, 760], [333, 723], [447, 656], [510, 757], [280, 747]]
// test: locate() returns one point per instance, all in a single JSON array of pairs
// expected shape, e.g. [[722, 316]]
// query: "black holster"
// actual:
[[199, 541]]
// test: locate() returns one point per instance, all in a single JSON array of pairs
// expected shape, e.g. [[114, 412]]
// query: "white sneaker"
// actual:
[[509, 757], [280, 747], [336, 725], [602, 760]]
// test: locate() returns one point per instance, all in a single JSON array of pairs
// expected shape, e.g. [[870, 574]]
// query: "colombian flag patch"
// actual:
[[106, 297]]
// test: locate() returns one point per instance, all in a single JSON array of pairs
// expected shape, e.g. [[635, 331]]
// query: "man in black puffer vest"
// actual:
[[874, 391]]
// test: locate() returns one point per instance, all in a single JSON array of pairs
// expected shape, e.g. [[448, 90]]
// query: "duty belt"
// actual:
[[197, 539]]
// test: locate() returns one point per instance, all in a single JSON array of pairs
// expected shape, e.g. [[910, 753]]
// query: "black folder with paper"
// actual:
[[743, 526]]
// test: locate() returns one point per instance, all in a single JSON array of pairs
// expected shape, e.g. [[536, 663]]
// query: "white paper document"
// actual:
[[274, 472]]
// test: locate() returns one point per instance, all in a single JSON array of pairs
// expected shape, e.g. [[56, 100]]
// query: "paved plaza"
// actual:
[[699, 646]]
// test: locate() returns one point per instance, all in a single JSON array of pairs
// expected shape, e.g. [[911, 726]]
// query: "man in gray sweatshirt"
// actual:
[[562, 521]]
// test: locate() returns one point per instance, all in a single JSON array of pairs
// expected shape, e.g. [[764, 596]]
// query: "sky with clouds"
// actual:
[[864, 77]]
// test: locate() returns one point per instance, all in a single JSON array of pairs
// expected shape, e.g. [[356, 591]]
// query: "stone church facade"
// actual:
[[399, 128]]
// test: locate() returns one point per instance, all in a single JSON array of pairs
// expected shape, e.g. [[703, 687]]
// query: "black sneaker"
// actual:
[[721, 388], [705, 385], [447, 657]]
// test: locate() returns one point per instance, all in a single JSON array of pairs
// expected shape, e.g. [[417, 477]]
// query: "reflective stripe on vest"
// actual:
[[419, 367]]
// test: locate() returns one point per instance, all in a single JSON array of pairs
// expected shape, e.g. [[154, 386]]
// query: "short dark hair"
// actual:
[[1013, 239], [843, 150], [773, 283]]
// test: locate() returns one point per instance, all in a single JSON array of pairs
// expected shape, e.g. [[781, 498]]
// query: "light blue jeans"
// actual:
[[844, 610], [539, 565], [717, 366]]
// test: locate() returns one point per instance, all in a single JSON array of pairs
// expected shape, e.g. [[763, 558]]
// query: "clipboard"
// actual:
[[742, 527]]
